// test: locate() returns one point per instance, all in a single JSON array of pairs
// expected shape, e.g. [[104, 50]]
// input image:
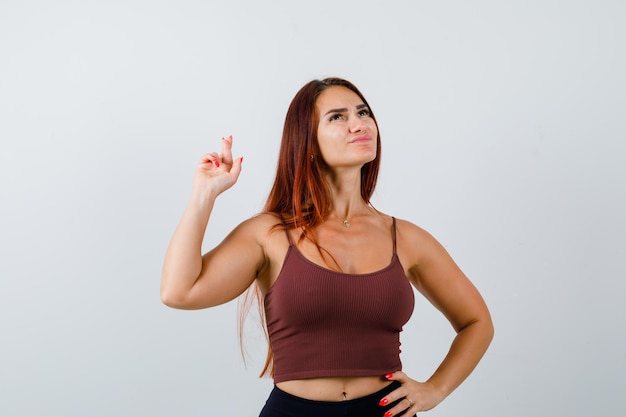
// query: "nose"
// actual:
[[356, 124]]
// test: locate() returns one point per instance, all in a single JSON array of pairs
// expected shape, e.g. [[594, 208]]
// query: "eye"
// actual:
[[364, 112], [336, 116]]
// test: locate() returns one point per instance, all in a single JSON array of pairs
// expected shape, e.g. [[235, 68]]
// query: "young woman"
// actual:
[[333, 274]]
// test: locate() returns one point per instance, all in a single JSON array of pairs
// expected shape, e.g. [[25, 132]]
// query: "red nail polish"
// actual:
[[217, 163], [389, 376], [241, 160], [384, 401], [388, 414]]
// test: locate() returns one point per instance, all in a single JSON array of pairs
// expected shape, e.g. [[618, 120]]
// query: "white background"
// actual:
[[503, 128]]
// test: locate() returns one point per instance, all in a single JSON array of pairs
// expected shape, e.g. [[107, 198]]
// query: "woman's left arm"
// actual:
[[435, 274]]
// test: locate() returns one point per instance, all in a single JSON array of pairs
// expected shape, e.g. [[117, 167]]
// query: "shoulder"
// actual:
[[263, 220], [412, 234], [269, 233], [416, 246], [266, 230], [259, 227], [254, 238]]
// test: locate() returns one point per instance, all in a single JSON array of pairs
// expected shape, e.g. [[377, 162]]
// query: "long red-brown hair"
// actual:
[[301, 195]]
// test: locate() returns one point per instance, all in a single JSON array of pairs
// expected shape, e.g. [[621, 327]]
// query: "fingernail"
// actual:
[[389, 376], [241, 160], [384, 401], [217, 163], [388, 414]]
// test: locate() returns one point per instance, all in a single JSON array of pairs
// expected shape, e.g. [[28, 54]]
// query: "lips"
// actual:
[[361, 139]]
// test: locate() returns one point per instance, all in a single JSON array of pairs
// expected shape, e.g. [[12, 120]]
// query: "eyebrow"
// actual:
[[345, 109]]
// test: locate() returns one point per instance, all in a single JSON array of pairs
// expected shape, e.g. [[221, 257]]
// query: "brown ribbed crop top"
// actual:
[[325, 323]]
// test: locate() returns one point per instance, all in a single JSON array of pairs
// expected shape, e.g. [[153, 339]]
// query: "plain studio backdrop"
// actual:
[[503, 131]]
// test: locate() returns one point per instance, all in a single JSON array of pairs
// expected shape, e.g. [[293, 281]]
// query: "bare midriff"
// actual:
[[333, 388]]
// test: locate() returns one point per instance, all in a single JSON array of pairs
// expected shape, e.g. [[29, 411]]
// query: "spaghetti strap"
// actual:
[[393, 233], [286, 230], [288, 236]]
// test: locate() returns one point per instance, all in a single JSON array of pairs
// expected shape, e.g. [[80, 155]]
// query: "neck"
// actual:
[[346, 195]]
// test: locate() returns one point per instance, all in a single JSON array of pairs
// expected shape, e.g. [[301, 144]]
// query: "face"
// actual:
[[346, 132]]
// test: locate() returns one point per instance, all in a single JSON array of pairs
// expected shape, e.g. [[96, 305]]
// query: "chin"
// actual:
[[369, 158]]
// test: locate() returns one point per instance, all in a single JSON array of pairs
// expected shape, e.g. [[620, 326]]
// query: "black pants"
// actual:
[[282, 404]]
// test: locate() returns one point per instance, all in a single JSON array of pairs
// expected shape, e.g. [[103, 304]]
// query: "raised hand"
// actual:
[[217, 172], [182, 282]]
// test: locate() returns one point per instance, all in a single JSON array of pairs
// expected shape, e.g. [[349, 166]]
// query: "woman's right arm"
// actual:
[[190, 280]]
